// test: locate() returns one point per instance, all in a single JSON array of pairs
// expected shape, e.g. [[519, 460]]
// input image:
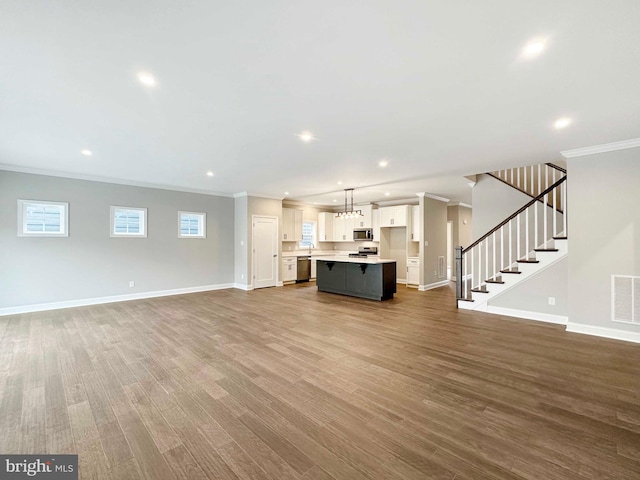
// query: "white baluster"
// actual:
[[465, 274], [532, 182], [539, 180], [535, 225], [524, 171], [518, 257], [486, 261], [495, 259], [473, 269], [501, 248], [510, 259], [544, 215], [526, 233]]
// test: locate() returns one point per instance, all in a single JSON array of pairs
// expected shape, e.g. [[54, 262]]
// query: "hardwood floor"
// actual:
[[289, 383]]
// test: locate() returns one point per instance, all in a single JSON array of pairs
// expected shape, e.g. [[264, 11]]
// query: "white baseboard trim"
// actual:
[[280, 284], [540, 317], [111, 299], [431, 286], [604, 332], [242, 286]]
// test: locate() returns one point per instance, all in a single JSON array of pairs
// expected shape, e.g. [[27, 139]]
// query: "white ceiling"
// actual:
[[437, 88]]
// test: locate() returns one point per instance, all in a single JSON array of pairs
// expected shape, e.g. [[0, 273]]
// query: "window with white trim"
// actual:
[[43, 219], [308, 235], [128, 222], [192, 225]]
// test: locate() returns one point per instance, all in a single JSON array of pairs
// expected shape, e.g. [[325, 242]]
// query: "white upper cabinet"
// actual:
[[376, 225], [395, 216], [325, 226], [366, 221], [343, 229], [291, 225], [416, 224]]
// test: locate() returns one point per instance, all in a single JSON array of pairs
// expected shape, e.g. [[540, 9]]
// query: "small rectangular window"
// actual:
[[308, 235], [128, 222], [192, 225], [43, 219]]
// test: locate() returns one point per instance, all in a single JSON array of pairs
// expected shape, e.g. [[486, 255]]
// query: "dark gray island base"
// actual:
[[372, 279]]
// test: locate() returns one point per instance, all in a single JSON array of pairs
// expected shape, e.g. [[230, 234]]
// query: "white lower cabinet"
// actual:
[[313, 267], [289, 269], [413, 271]]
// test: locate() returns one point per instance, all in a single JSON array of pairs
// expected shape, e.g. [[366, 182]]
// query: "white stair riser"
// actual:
[[480, 300]]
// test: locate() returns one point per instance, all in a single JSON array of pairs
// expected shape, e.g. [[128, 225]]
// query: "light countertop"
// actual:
[[314, 253], [360, 260]]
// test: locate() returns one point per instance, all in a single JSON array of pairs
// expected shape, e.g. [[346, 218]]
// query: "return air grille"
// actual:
[[441, 270], [625, 299]]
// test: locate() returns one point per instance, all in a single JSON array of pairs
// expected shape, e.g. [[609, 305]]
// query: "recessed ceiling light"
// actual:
[[306, 136], [86, 152], [533, 49], [334, 200], [209, 173], [286, 193], [339, 182], [147, 79], [562, 123], [386, 194], [383, 163]]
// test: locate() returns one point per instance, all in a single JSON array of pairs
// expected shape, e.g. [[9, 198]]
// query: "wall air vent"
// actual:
[[625, 299], [441, 267]]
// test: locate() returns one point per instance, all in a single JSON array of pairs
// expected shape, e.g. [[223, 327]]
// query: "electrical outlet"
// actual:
[[241, 243], [426, 243], [242, 276], [552, 300], [132, 284]]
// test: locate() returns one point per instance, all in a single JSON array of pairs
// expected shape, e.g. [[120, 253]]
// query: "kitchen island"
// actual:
[[357, 277]]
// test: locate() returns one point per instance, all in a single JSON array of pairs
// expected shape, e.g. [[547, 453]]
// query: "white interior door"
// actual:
[[265, 251]]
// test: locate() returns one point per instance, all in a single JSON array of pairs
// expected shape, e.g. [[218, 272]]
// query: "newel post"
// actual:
[[459, 272]]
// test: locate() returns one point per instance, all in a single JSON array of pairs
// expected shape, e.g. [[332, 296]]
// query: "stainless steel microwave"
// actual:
[[363, 234]]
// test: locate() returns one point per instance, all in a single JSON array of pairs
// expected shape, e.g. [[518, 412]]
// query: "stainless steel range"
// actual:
[[365, 252]]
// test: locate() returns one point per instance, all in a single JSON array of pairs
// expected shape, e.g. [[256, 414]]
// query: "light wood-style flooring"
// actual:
[[289, 383]]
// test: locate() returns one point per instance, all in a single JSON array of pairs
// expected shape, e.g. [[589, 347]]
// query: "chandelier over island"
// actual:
[[349, 213]]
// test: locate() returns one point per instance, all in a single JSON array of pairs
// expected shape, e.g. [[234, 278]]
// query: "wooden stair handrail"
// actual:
[[514, 215], [553, 165]]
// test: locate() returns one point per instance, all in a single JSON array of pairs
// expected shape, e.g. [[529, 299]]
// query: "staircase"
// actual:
[[528, 241]]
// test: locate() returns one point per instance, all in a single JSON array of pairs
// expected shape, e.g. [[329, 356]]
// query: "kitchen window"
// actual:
[[308, 235], [128, 222], [43, 219], [192, 225]]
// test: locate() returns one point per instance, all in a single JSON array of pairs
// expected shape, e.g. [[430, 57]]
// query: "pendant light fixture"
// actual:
[[349, 213]]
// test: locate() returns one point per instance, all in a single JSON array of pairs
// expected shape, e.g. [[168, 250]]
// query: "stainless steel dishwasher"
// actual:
[[304, 269]]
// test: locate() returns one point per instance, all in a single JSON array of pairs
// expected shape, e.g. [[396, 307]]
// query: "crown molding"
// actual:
[[606, 147], [256, 194], [436, 197], [400, 201], [460, 204], [114, 181]]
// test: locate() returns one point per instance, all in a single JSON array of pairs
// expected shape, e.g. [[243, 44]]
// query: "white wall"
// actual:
[[604, 235], [532, 295], [241, 225], [90, 264], [435, 232], [493, 201]]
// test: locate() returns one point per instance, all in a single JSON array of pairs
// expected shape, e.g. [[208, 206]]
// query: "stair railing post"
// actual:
[[459, 272]]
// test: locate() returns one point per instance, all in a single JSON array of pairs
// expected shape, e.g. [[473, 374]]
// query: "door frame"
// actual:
[[253, 253]]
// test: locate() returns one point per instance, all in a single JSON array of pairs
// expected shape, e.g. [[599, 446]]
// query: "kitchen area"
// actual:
[[411, 236]]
